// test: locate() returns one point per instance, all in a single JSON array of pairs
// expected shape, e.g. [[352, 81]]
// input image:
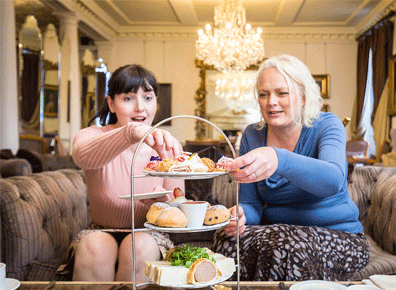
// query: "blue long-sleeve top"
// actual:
[[309, 187]]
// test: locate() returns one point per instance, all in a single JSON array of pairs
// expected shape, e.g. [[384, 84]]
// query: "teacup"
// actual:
[[2, 276], [195, 212]]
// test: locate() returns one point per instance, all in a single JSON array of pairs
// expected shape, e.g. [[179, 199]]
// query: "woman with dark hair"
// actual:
[[105, 153], [297, 220]]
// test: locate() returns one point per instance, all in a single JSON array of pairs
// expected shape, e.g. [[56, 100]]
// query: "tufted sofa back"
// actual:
[[40, 214], [373, 189]]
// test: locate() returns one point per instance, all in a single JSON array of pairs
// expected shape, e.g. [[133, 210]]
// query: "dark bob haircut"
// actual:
[[126, 79]]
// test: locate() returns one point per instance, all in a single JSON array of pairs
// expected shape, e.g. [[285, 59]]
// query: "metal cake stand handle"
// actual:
[[135, 285]]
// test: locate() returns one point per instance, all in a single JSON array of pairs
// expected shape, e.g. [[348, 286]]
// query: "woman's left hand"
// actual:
[[258, 164]]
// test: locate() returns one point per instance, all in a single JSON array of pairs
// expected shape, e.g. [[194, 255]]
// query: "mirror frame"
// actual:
[[87, 70], [200, 98]]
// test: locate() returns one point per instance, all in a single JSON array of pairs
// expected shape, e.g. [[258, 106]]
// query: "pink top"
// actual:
[[105, 154]]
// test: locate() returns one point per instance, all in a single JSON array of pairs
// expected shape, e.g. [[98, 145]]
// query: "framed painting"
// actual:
[[164, 104], [323, 83], [51, 101], [90, 105], [392, 86]]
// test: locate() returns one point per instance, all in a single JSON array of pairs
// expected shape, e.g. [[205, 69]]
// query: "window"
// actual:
[[368, 104]]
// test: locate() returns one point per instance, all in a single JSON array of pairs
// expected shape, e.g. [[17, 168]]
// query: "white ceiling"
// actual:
[[112, 18], [125, 13]]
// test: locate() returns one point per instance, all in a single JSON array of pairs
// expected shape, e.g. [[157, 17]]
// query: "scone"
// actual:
[[216, 214], [172, 217], [154, 211]]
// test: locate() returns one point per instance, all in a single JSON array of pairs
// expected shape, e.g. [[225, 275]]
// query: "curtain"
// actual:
[[382, 52], [364, 46], [381, 120], [380, 40]]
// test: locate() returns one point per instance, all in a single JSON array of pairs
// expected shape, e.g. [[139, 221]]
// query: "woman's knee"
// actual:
[[145, 247], [99, 247]]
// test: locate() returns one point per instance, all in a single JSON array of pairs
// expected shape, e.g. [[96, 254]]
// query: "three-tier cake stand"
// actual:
[[183, 176]]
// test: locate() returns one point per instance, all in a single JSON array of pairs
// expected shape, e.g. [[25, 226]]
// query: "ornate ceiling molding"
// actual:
[[110, 30], [282, 34], [86, 15], [373, 19]]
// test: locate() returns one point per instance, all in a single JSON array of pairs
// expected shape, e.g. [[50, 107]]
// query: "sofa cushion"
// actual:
[[42, 271], [380, 262], [33, 157], [40, 215]]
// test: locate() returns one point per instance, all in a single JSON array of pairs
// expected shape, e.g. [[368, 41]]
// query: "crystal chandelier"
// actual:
[[232, 45], [235, 89]]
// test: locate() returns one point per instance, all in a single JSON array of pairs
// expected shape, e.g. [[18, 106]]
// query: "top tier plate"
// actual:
[[192, 175]]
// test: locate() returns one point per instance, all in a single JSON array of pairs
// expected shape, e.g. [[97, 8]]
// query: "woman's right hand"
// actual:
[[231, 228], [160, 140]]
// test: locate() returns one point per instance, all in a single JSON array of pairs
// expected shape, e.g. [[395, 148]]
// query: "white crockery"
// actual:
[[195, 212], [317, 285], [363, 287]]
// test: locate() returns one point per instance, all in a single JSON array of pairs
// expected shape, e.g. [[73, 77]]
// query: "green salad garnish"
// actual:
[[186, 255]]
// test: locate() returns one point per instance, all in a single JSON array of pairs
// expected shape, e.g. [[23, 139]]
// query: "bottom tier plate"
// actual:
[[201, 285]]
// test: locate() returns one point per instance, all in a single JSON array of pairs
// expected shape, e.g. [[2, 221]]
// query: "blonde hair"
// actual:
[[299, 81]]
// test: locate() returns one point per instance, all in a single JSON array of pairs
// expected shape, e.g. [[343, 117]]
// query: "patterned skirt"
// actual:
[[293, 253]]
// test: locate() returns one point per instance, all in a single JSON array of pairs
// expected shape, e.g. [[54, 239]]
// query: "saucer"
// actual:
[[11, 284], [317, 285]]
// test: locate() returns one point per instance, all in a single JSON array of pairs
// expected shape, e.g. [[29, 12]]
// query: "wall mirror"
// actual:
[[88, 87], [93, 85], [228, 102], [30, 59]]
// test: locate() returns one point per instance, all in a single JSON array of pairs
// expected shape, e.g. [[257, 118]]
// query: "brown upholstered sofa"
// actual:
[[373, 189], [15, 167], [26, 161], [41, 213]]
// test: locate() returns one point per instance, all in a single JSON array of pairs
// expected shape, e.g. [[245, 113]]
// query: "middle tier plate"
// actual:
[[204, 228], [181, 175]]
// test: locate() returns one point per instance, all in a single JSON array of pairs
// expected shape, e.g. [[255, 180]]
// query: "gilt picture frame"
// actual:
[[392, 86], [323, 82], [51, 101]]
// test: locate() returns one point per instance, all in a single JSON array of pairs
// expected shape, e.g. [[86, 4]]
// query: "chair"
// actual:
[[33, 142], [357, 149], [385, 148]]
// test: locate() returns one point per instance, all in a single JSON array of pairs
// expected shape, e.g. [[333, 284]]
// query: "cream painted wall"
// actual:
[[173, 61]]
